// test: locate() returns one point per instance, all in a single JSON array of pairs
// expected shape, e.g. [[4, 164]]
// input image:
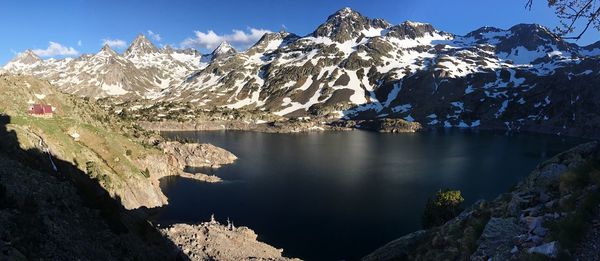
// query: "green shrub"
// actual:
[[444, 206], [570, 230], [128, 152], [91, 169], [580, 177]]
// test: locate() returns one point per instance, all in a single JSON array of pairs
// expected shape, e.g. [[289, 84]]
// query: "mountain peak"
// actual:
[[223, 50], [531, 37], [224, 46], [106, 51], [344, 12], [27, 57], [347, 24], [140, 46]]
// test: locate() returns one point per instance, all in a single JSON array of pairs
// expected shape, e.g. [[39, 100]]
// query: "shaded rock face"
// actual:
[[44, 217], [213, 241], [519, 224]]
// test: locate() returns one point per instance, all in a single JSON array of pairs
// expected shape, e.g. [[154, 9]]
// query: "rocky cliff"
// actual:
[[79, 184]]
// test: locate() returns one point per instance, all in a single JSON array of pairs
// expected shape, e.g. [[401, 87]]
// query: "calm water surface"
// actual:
[[340, 195]]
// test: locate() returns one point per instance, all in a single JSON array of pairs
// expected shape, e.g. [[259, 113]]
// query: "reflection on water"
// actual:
[[331, 196], [203, 170]]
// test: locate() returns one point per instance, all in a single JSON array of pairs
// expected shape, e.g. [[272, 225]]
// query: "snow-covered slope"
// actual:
[[142, 71], [353, 66]]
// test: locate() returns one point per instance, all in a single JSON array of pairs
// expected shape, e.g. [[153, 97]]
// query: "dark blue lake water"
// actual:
[[340, 195]]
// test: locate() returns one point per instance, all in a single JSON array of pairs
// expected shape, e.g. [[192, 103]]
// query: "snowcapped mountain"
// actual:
[[224, 50], [25, 62], [143, 71], [353, 66]]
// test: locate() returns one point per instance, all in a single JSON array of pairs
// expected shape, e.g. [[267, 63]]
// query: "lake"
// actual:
[[340, 195]]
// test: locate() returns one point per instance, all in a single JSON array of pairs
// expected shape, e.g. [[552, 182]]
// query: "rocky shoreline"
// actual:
[[214, 241], [541, 217], [287, 126]]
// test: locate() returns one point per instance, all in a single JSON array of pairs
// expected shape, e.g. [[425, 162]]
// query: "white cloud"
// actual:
[[79, 43], [56, 49], [154, 36], [237, 38], [114, 43]]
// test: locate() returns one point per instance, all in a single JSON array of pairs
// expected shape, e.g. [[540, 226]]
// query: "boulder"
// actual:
[[549, 249], [497, 238]]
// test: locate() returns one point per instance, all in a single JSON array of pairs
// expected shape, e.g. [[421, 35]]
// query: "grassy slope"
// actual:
[[103, 139]]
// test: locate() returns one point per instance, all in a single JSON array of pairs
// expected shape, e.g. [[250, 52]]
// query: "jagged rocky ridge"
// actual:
[[142, 71], [355, 67]]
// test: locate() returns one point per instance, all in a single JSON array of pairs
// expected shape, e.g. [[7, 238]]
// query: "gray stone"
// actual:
[[497, 238], [549, 249], [551, 172]]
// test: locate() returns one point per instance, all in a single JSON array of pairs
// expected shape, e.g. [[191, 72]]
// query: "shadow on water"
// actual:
[[118, 219], [340, 195]]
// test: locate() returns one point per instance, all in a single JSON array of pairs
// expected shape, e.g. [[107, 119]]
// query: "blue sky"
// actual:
[[79, 26]]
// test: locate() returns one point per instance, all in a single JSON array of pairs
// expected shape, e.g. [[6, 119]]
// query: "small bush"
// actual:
[[570, 230], [580, 177], [91, 169], [444, 206], [128, 152]]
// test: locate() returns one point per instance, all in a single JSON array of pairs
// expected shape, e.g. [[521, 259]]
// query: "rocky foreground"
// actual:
[[214, 241], [552, 214]]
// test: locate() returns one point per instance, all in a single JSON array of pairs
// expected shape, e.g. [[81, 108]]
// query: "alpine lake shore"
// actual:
[[553, 213], [536, 219]]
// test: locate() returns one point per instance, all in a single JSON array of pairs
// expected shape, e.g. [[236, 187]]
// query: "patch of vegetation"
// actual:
[[570, 230], [472, 233], [91, 169], [94, 172], [444, 206], [580, 177]]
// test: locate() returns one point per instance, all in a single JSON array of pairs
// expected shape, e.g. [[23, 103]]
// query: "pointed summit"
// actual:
[[140, 46], [347, 24], [223, 50], [344, 12], [106, 51], [27, 57]]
